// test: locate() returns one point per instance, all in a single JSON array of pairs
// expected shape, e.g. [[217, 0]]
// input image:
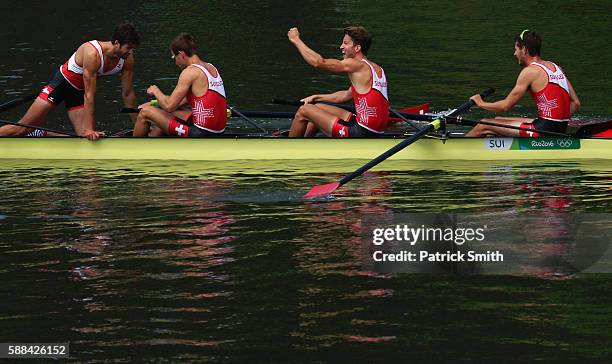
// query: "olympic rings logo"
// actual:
[[565, 143]]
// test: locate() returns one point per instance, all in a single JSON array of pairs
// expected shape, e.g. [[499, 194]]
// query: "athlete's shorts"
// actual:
[[544, 125], [182, 128], [59, 90], [351, 129]]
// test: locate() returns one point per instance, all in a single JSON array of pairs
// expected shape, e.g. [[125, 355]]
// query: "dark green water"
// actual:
[[440, 52], [195, 262], [224, 262]]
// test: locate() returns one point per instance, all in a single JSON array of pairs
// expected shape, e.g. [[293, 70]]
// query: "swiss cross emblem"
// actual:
[[46, 90], [364, 111], [200, 113], [180, 130], [546, 106], [342, 133]]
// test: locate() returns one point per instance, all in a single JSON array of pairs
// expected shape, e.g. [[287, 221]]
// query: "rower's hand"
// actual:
[[477, 100], [310, 99], [152, 90], [293, 35], [93, 135]]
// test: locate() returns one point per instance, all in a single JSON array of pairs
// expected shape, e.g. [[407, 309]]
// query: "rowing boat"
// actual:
[[258, 147]]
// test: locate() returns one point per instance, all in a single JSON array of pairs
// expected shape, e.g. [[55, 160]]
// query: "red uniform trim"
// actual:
[[528, 134]]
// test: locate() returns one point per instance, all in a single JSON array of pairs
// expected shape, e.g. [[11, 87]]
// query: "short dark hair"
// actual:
[[530, 40], [126, 34], [184, 42], [360, 36]]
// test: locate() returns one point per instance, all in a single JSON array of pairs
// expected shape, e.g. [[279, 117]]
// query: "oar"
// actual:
[[587, 130], [461, 121], [129, 110], [40, 128], [233, 110], [11, 104], [248, 113], [351, 108], [324, 190]]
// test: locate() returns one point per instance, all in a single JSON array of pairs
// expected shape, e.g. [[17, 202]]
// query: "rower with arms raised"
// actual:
[[74, 83], [368, 90], [199, 85], [550, 89]]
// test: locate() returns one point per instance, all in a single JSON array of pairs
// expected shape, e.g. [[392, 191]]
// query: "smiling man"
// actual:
[[74, 84], [199, 86], [549, 88], [368, 90]]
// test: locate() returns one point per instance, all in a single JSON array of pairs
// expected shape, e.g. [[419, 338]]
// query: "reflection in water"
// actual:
[[218, 260]]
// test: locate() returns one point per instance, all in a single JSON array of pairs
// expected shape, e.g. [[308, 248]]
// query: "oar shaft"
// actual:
[[462, 121], [406, 142], [248, 113], [11, 104], [403, 118], [237, 112], [351, 108], [39, 128]]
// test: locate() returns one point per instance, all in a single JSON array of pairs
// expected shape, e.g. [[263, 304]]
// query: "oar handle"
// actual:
[[130, 110], [468, 104]]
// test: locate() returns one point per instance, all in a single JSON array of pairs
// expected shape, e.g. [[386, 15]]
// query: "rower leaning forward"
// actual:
[[548, 86], [74, 84], [199, 86], [368, 90]]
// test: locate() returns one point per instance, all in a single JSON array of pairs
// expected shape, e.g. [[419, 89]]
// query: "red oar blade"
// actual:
[[322, 190]]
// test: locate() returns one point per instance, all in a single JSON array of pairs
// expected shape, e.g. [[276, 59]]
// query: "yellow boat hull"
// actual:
[[228, 149]]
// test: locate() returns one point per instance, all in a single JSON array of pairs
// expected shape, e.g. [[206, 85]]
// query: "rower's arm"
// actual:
[[336, 97], [314, 59], [525, 78], [127, 85], [91, 63], [177, 98], [574, 100]]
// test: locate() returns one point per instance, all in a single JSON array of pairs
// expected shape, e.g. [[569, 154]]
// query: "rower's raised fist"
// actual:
[[293, 34]]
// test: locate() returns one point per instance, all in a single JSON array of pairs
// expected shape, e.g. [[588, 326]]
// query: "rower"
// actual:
[[546, 82], [74, 84], [200, 86], [368, 90]]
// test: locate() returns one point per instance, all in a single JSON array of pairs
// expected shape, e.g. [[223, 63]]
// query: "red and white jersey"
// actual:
[[372, 108], [554, 100], [209, 111], [73, 73]]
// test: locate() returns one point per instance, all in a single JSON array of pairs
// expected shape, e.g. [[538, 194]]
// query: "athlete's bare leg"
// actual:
[[36, 116], [148, 114], [322, 116], [76, 117], [311, 130], [156, 132], [482, 130]]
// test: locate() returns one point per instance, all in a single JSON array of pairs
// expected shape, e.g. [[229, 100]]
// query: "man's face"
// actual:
[[179, 59], [520, 54], [124, 50], [348, 47]]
